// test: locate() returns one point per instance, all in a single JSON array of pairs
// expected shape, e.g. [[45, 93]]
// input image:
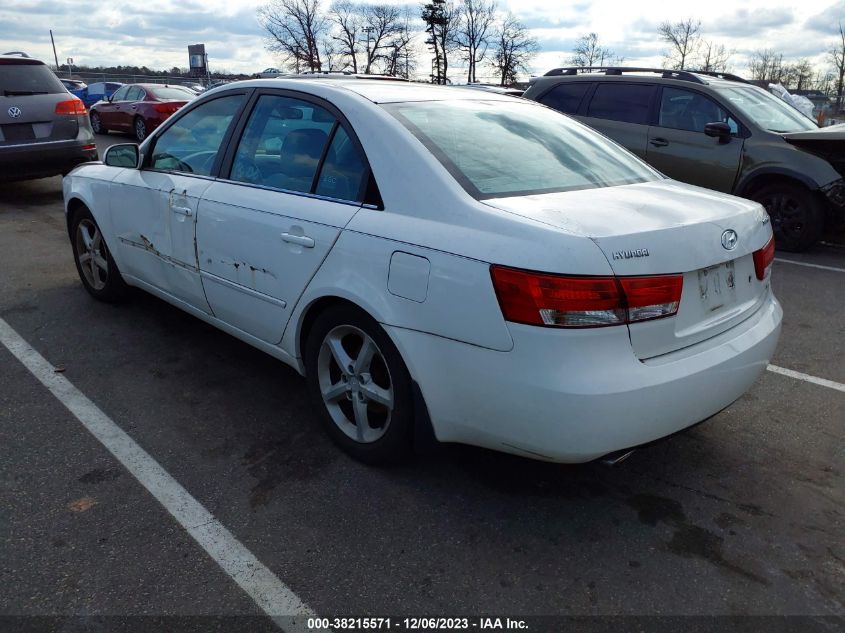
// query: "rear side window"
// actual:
[[21, 79], [621, 102], [565, 97]]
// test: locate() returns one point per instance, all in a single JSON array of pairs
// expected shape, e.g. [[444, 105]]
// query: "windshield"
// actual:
[[173, 92], [503, 148], [767, 110]]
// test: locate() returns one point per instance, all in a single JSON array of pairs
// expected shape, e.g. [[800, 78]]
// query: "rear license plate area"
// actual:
[[717, 287], [18, 132]]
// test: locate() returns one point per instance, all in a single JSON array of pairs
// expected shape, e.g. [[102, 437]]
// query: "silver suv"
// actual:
[[44, 130]]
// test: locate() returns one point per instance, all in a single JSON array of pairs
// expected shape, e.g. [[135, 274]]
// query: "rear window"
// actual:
[[18, 79], [565, 97], [503, 148], [621, 102], [173, 92]]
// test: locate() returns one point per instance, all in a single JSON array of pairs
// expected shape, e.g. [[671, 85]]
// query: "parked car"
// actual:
[[44, 131], [269, 73], [99, 91], [74, 86], [138, 108], [515, 280], [717, 131]]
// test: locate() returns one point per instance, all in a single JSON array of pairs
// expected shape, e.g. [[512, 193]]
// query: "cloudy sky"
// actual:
[[156, 33]]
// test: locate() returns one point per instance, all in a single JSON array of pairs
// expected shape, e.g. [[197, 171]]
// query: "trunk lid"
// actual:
[[666, 227]]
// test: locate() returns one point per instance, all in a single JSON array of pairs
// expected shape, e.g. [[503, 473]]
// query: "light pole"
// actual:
[[368, 30]]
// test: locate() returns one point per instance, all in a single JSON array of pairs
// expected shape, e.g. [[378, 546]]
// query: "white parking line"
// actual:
[[272, 595], [819, 266], [824, 382]]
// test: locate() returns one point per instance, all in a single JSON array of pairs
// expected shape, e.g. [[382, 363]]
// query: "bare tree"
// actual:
[[474, 32], [836, 55], [683, 39], [766, 65], [346, 18], [295, 30], [514, 48], [400, 59], [713, 57], [441, 20], [382, 22], [588, 51], [803, 74]]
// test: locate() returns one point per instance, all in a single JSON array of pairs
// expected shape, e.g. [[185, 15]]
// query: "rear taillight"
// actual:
[[574, 302], [763, 259], [166, 108], [71, 107]]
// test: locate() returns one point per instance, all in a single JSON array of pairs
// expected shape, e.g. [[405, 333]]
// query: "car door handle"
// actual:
[[183, 210], [659, 142], [302, 240]]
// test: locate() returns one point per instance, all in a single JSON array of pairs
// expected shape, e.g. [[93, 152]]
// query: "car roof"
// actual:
[[378, 90]]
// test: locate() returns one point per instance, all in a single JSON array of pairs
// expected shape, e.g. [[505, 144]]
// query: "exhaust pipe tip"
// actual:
[[611, 459]]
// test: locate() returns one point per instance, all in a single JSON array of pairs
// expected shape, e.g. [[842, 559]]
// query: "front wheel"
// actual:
[[140, 129], [359, 385], [94, 263], [797, 216], [97, 124]]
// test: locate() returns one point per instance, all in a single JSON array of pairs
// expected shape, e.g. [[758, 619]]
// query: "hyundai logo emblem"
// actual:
[[729, 239], [14, 112]]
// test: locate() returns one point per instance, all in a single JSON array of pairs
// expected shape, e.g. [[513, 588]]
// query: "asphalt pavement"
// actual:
[[742, 515]]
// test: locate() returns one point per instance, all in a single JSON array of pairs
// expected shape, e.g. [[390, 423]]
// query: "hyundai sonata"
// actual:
[[438, 258]]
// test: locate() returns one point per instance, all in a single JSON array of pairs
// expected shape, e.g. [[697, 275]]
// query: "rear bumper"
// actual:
[[39, 160], [574, 396]]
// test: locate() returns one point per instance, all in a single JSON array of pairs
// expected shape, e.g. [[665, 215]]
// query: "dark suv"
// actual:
[[44, 130], [714, 130]]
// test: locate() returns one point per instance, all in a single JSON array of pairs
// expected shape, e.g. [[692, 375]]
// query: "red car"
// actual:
[[138, 108]]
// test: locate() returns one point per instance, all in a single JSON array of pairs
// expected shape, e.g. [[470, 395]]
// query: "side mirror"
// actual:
[[719, 130], [123, 155]]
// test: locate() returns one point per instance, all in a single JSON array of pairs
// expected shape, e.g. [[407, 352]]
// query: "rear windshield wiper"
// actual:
[[23, 93]]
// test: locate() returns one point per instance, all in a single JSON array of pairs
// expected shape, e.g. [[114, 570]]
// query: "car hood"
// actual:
[[830, 133], [826, 142]]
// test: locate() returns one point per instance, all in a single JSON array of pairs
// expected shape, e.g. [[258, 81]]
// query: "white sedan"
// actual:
[[440, 259]]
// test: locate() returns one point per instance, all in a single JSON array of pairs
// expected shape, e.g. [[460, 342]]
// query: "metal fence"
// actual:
[[89, 78]]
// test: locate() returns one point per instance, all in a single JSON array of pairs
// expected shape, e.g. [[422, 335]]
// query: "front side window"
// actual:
[[565, 97], [766, 110], [691, 111], [192, 143], [120, 94], [497, 148], [628, 103]]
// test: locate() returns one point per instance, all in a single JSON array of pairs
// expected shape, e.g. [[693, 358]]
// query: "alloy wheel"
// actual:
[[92, 254], [140, 129], [788, 215], [355, 384]]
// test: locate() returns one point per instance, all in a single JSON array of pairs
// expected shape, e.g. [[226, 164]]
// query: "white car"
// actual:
[[437, 256]]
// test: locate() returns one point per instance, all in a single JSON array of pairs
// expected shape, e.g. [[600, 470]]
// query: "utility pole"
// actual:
[[56, 57]]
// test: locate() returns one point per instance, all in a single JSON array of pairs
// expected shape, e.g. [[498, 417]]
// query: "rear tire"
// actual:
[[796, 214], [94, 263], [97, 124], [140, 128], [359, 385]]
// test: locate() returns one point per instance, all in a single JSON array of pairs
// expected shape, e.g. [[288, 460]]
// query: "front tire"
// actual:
[[360, 386], [97, 124], [796, 214], [94, 263], [140, 128]]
